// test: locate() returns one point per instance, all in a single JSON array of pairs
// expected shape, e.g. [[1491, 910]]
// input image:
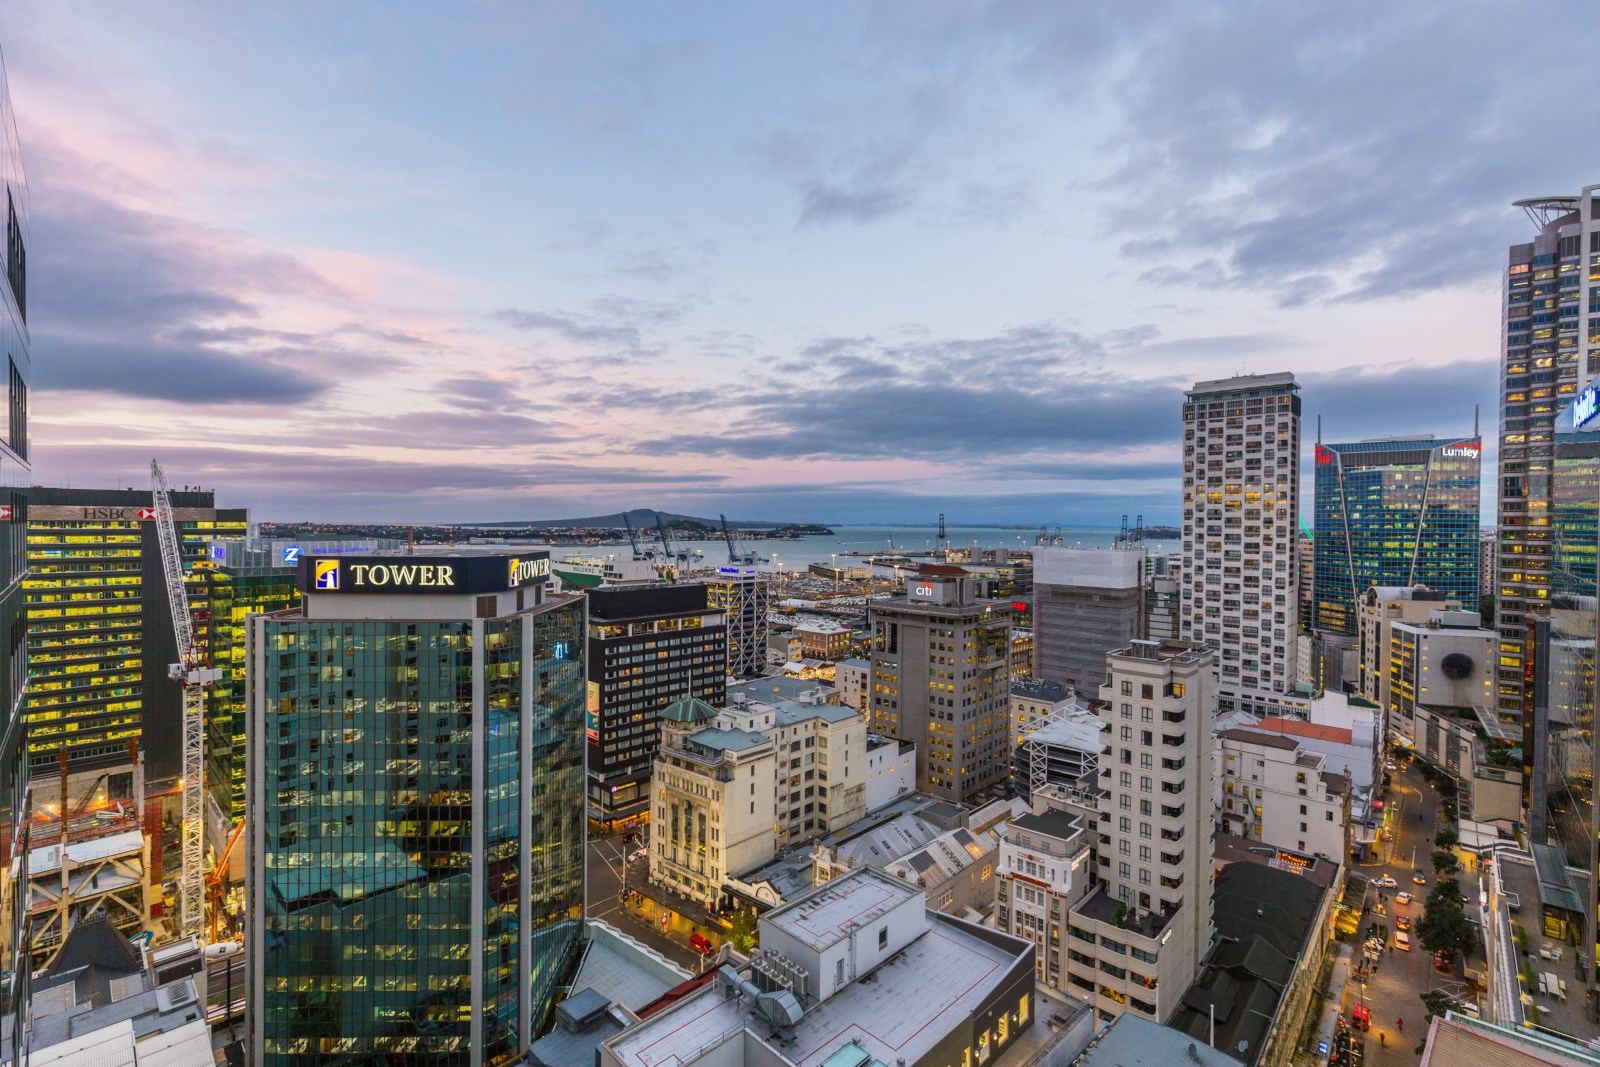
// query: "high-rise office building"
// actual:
[[1241, 501], [1395, 512], [245, 577], [1488, 562], [15, 476], [1140, 935], [1550, 342], [415, 799], [740, 594], [1086, 602], [100, 632], [648, 646], [941, 679], [1563, 819]]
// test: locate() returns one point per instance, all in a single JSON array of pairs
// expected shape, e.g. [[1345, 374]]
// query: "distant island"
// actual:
[[594, 530]]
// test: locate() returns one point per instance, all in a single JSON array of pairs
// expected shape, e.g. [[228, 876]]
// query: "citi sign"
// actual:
[[526, 570], [922, 590], [328, 575], [1462, 450]]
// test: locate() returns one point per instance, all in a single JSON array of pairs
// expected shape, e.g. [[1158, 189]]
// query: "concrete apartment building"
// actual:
[[891, 770], [1163, 598], [941, 679], [713, 806], [1241, 505], [856, 972], [852, 683], [819, 780], [1379, 607], [740, 594], [1139, 936], [1086, 602], [1488, 562], [823, 639], [1044, 871], [1272, 791], [1447, 662]]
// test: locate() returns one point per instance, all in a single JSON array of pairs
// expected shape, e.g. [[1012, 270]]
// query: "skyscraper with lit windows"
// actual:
[[415, 792], [1396, 512]]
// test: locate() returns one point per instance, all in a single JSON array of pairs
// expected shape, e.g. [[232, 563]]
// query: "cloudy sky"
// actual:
[[853, 261]]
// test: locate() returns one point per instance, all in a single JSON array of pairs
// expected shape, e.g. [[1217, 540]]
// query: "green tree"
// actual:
[[1444, 926], [1446, 837], [1437, 1002], [742, 930], [1445, 862]]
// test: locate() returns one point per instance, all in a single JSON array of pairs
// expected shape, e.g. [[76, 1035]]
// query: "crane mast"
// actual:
[[193, 674]]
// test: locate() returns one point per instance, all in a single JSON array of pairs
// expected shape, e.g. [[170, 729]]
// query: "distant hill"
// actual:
[[642, 519]]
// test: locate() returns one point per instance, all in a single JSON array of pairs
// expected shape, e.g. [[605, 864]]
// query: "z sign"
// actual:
[[291, 554]]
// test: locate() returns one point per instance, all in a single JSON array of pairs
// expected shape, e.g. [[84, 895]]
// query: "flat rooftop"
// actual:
[[921, 994], [826, 917]]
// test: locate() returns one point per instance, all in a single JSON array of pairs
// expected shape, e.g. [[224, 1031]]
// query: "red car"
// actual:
[[1361, 1016], [700, 944]]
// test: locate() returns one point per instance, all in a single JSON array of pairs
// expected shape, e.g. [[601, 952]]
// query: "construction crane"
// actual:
[[218, 879], [193, 673], [632, 537], [666, 542]]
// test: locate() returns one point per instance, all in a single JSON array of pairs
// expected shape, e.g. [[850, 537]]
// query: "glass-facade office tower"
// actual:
[[255, 576], [14, 478], [100, 633], [415, 809], [1563, 825], [1550, 340], [1241, 503], [1393, 513]]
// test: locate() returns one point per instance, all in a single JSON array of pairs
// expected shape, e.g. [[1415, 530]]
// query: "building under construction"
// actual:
[[1086, 603]]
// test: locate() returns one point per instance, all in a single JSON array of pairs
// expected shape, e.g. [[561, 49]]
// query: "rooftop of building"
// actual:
[[625, 603], [770, 689], [1039, 689], [688, 710], [877, 741], [119, 1045], [728, 740], [855, 661], [829, 915], [1057, 824], [1456, 1040], [1229, 849], [1244, 383], [1265, 918], [820, 626], [1166, 651], [1074, 727], [1129, 1041], [1277, 724], [946, 856], [900, 1009], [1102, 907], [790, 712], [1336, 784], [1245, 735]]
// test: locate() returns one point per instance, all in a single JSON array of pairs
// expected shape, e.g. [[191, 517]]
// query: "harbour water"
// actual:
[[849, 544]]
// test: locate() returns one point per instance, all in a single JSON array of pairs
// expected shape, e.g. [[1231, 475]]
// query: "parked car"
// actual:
[[1402, 898], [1386, 882], [1361, 1017], [1402, 941], [638, 854]]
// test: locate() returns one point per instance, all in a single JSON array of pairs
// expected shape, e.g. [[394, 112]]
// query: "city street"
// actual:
[[606, 860], [1393, 991]]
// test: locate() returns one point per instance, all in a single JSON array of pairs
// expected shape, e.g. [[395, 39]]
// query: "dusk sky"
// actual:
[[834, 262]]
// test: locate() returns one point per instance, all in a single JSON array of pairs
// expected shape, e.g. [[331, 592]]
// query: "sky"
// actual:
[[824, 261]]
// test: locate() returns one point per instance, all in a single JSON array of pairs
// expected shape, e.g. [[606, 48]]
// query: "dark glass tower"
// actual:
[[415, 808], [14, 478], [1397, 512]]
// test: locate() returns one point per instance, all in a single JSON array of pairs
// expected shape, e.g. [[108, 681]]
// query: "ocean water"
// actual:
[[861, 540]]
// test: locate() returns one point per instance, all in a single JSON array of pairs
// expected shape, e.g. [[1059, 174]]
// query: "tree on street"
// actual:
[[1444, 926]]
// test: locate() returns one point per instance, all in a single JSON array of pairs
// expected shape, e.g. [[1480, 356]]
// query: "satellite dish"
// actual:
[[1456, 666]]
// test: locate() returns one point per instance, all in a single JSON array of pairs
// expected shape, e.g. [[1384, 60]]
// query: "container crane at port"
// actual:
[[633, 539], [193, 673]]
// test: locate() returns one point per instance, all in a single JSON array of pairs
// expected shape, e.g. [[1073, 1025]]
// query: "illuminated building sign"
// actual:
[[1462, 450], [922, 590], [1324, 455], [741, 571], [291, 555], [423, 574], [1586, 406]]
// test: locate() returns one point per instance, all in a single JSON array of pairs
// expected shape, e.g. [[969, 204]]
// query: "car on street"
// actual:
[[1361, 1017], [1443, 961], [1402, 941], [1419, 878], [638, 854], [1386, 882], [1402, 923], [1402, 898], [701, 944]]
